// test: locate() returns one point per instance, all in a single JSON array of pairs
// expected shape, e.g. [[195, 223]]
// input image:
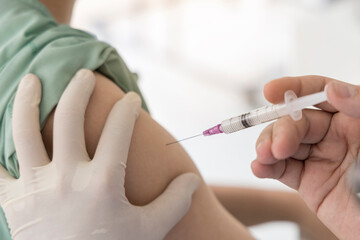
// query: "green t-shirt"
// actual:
[[32, 42]]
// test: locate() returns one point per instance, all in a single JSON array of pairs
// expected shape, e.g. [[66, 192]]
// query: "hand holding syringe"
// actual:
[[292, 106]]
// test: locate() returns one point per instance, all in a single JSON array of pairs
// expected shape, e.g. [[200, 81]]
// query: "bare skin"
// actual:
[[61, 10], [151, 166], [254, 206]]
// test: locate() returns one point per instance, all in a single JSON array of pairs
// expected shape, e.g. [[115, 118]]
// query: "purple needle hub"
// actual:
[[213, 130]]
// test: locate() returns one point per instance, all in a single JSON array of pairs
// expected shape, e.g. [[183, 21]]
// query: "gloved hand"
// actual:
[[72, 196]]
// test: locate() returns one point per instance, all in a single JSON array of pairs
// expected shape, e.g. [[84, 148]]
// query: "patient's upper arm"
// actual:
[[152, 166]]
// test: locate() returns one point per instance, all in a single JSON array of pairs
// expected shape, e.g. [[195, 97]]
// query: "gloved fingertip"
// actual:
[[133, 97], [134, 100], [29, 90], [194, 181], [84, 79], [188, 181], [29, 81], [84, 73], [171, 206]]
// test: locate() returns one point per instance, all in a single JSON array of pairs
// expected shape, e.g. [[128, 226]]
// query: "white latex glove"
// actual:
[[72, 196]]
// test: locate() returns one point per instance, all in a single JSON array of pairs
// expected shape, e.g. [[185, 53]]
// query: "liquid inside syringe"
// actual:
[[292, 106]]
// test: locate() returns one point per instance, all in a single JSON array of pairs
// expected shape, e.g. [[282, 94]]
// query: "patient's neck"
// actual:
[[60, 9]]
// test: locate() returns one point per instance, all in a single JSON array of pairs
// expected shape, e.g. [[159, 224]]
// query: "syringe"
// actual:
[[292, 106]]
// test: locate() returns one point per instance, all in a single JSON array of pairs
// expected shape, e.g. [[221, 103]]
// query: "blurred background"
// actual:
[[201, 61]]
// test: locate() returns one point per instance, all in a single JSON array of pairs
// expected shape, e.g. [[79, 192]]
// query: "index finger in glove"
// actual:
[[29, 146], [274, 90]]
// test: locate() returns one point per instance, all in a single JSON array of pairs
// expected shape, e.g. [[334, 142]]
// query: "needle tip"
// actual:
[[170, 143], [183, 139]]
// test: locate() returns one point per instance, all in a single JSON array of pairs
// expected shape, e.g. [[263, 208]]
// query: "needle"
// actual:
[[184, 139]]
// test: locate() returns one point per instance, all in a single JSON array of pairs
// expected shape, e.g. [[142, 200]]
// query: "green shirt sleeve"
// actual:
[[32, 42]]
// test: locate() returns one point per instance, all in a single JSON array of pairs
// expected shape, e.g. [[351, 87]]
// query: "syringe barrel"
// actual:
[[292, 106], [253, 118]]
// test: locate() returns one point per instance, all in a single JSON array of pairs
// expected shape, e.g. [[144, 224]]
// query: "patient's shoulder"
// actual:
[[149, 169]]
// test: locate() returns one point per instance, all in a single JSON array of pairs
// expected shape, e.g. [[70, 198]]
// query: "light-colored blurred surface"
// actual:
[[201, 61]]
